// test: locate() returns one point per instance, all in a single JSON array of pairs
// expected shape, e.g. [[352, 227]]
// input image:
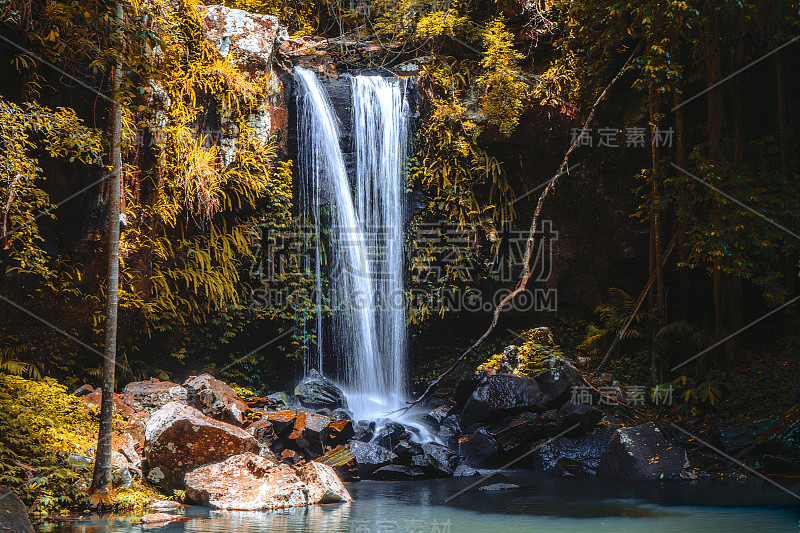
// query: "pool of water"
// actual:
[[542, 503]]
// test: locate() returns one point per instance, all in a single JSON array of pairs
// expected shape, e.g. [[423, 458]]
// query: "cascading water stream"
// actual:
[[366, 234]]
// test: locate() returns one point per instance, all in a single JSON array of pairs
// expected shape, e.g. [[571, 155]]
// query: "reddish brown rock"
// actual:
[[120, 407], [291, 457], [308, 433], [161, 517], [281, 420], [339, 432], [324, 486], [215, 399], [247, 482], [179, 438], [151, 395], [264, 432]]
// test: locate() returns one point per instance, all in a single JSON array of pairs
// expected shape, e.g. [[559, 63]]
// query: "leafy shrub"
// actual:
[[41, 425]]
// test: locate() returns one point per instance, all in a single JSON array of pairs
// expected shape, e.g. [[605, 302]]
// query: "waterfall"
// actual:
[[365, 221]]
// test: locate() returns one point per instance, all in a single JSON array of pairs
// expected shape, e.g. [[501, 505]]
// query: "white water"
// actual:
[[366, 234]]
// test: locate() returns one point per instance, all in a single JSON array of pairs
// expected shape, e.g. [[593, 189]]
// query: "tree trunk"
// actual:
[[682, 162], [101, 479], [790, 270], [659, 315]]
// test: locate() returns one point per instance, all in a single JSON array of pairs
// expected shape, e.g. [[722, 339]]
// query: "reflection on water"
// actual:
[[542, 504]]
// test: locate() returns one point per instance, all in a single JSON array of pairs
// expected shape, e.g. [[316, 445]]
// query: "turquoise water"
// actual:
[[543, 503]]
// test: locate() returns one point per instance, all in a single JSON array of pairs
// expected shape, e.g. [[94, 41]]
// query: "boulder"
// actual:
[[151, 395], [215, 399], [464, 388], [743, 435], [450, 431], [642, 453], [339, 432], [557, 381], [324, 486], [499, 486], [572, 413], [501, 395], [390, 435], [13, 513], [477, 447], [341, 414], [282, 421], [264, 433], [83, 390], [398, 473], [517, 430], [405, 451], [571, 457], [436, 460], [443, 411], [370, 457], [179, 438], [316, 392], [308, 433], [364, 431], [246, 482], [120, 407]]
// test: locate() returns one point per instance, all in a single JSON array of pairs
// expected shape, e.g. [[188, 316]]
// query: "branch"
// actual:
[[529, 244]]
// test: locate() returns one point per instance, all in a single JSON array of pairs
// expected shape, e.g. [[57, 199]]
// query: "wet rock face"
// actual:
[[215, 399], [477, 447], [317, 392], [391, 434], [13, 513], [501, 395], [571, 457], [642, 453], [151, 395], [179, 438], [247, 482], [517, 430], [370, 457]]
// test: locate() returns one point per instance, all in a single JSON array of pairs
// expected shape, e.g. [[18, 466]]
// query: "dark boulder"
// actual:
[[370, 457], [642, 453], [450, 431], [13, 513], [398, 473], [571, 457], [406, 451], [518, 430], [317, 392], [501, 395], [341, 414], [364, 431], [391, 434], [571, 413], [464, 388], [477, 447], [436, 460], [443, 411], [738, 437], [557, 381], [309, 432], [339, 432]]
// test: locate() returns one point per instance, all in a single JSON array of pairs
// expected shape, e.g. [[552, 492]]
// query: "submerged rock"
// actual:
[[370, 457], [316, 392], [642, 453], [501, 395], [398, 473], [215, 399], [178, 438], [464, 470], [499, 486]]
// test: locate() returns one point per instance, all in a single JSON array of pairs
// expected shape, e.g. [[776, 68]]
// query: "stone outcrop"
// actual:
[[370, 457], [247, 482], [574, 457], [179, 438]]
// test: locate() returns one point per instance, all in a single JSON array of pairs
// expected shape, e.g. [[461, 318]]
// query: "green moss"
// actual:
[[530, 357]]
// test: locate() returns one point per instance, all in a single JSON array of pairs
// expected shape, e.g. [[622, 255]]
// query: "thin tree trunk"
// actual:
[[659, 316], [682, 161], [101, 479], [784, 143]]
